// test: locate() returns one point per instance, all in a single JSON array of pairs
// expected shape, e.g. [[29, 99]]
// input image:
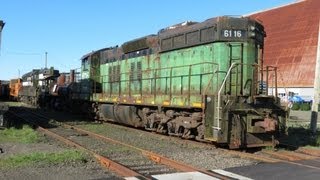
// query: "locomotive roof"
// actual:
[[39, 71], [196, 26], [149, 41], [31, 73], [156, 42], [99, 50]]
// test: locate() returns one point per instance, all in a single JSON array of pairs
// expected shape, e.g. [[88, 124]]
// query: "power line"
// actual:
[[1, 27], [22, 53]]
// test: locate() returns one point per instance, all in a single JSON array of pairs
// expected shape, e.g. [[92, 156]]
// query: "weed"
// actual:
[[24, 135], [41, 158]]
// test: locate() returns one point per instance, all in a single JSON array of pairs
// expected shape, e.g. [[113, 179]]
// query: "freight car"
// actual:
[[193, 80], [60, 93], [37, 86], [3, 118], [4, 89], [4, 95], [15, 86]]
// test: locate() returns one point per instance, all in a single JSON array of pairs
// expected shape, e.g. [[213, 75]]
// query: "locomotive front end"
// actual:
[[241, 113]]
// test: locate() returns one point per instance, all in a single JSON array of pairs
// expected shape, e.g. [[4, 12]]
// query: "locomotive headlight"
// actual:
[[252, 31], [252, 34], [208, 99]]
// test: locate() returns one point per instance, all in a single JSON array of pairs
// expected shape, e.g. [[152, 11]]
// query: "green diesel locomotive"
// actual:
[[203, 81]]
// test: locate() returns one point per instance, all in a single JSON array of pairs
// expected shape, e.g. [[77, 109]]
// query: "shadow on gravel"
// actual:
[[12, 120], [300, 136]]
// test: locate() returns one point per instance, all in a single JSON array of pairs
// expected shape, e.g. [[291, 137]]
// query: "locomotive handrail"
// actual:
[[274, 70], [218, 108], [219, 95], [156, 70]]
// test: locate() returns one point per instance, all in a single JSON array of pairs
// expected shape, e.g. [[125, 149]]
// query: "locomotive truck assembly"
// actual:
[[203, 81]]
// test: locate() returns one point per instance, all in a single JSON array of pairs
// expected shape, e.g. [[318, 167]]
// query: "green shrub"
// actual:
[[305, 107], [295, 106]]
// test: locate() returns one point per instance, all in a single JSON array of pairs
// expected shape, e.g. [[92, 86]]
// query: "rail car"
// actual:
[[15, 86], [37, 86], [4, 89], [3, 119], [194, 80], [4, 95]]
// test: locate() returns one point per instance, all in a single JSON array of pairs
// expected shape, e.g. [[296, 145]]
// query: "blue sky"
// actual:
[[68, 29]]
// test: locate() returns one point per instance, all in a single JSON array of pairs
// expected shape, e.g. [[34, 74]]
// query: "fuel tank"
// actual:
[[122, 114]]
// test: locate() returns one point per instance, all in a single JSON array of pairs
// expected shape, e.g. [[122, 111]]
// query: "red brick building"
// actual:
[[291, 44]]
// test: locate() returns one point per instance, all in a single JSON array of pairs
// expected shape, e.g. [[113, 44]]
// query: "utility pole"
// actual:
[[316, 98], [46, 53], [1, 27]]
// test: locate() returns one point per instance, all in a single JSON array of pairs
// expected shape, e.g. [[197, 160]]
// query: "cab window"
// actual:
[[85, 64]]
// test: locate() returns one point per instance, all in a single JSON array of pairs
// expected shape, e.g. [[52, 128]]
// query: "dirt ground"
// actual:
[[67, 170]]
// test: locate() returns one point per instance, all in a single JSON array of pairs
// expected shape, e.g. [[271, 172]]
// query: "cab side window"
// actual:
[[85, 64]]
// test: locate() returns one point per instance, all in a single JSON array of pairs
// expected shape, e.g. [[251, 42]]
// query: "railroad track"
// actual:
[[125, 160], [156, 167], [267, 156]]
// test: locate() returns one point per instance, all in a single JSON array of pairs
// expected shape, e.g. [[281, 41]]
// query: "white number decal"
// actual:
[[239, 34], [232, 33], [226, 33]]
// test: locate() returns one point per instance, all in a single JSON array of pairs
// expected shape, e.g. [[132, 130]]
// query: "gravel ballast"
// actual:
[[201, 156]]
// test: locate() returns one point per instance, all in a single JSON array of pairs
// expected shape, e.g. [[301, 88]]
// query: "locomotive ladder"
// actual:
[[218, 109], [234, 87], [232, 83]]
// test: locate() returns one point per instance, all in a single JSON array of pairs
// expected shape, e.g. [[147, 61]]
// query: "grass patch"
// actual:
[[12, 103], [24, 135], [40, 158], [313, 147]]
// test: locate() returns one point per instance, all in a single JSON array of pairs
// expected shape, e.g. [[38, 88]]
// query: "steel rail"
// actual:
[[290, 159], [251, 156], [311, 152], [108, 163]]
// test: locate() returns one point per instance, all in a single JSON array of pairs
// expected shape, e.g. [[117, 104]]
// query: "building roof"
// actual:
[[291, 42]]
